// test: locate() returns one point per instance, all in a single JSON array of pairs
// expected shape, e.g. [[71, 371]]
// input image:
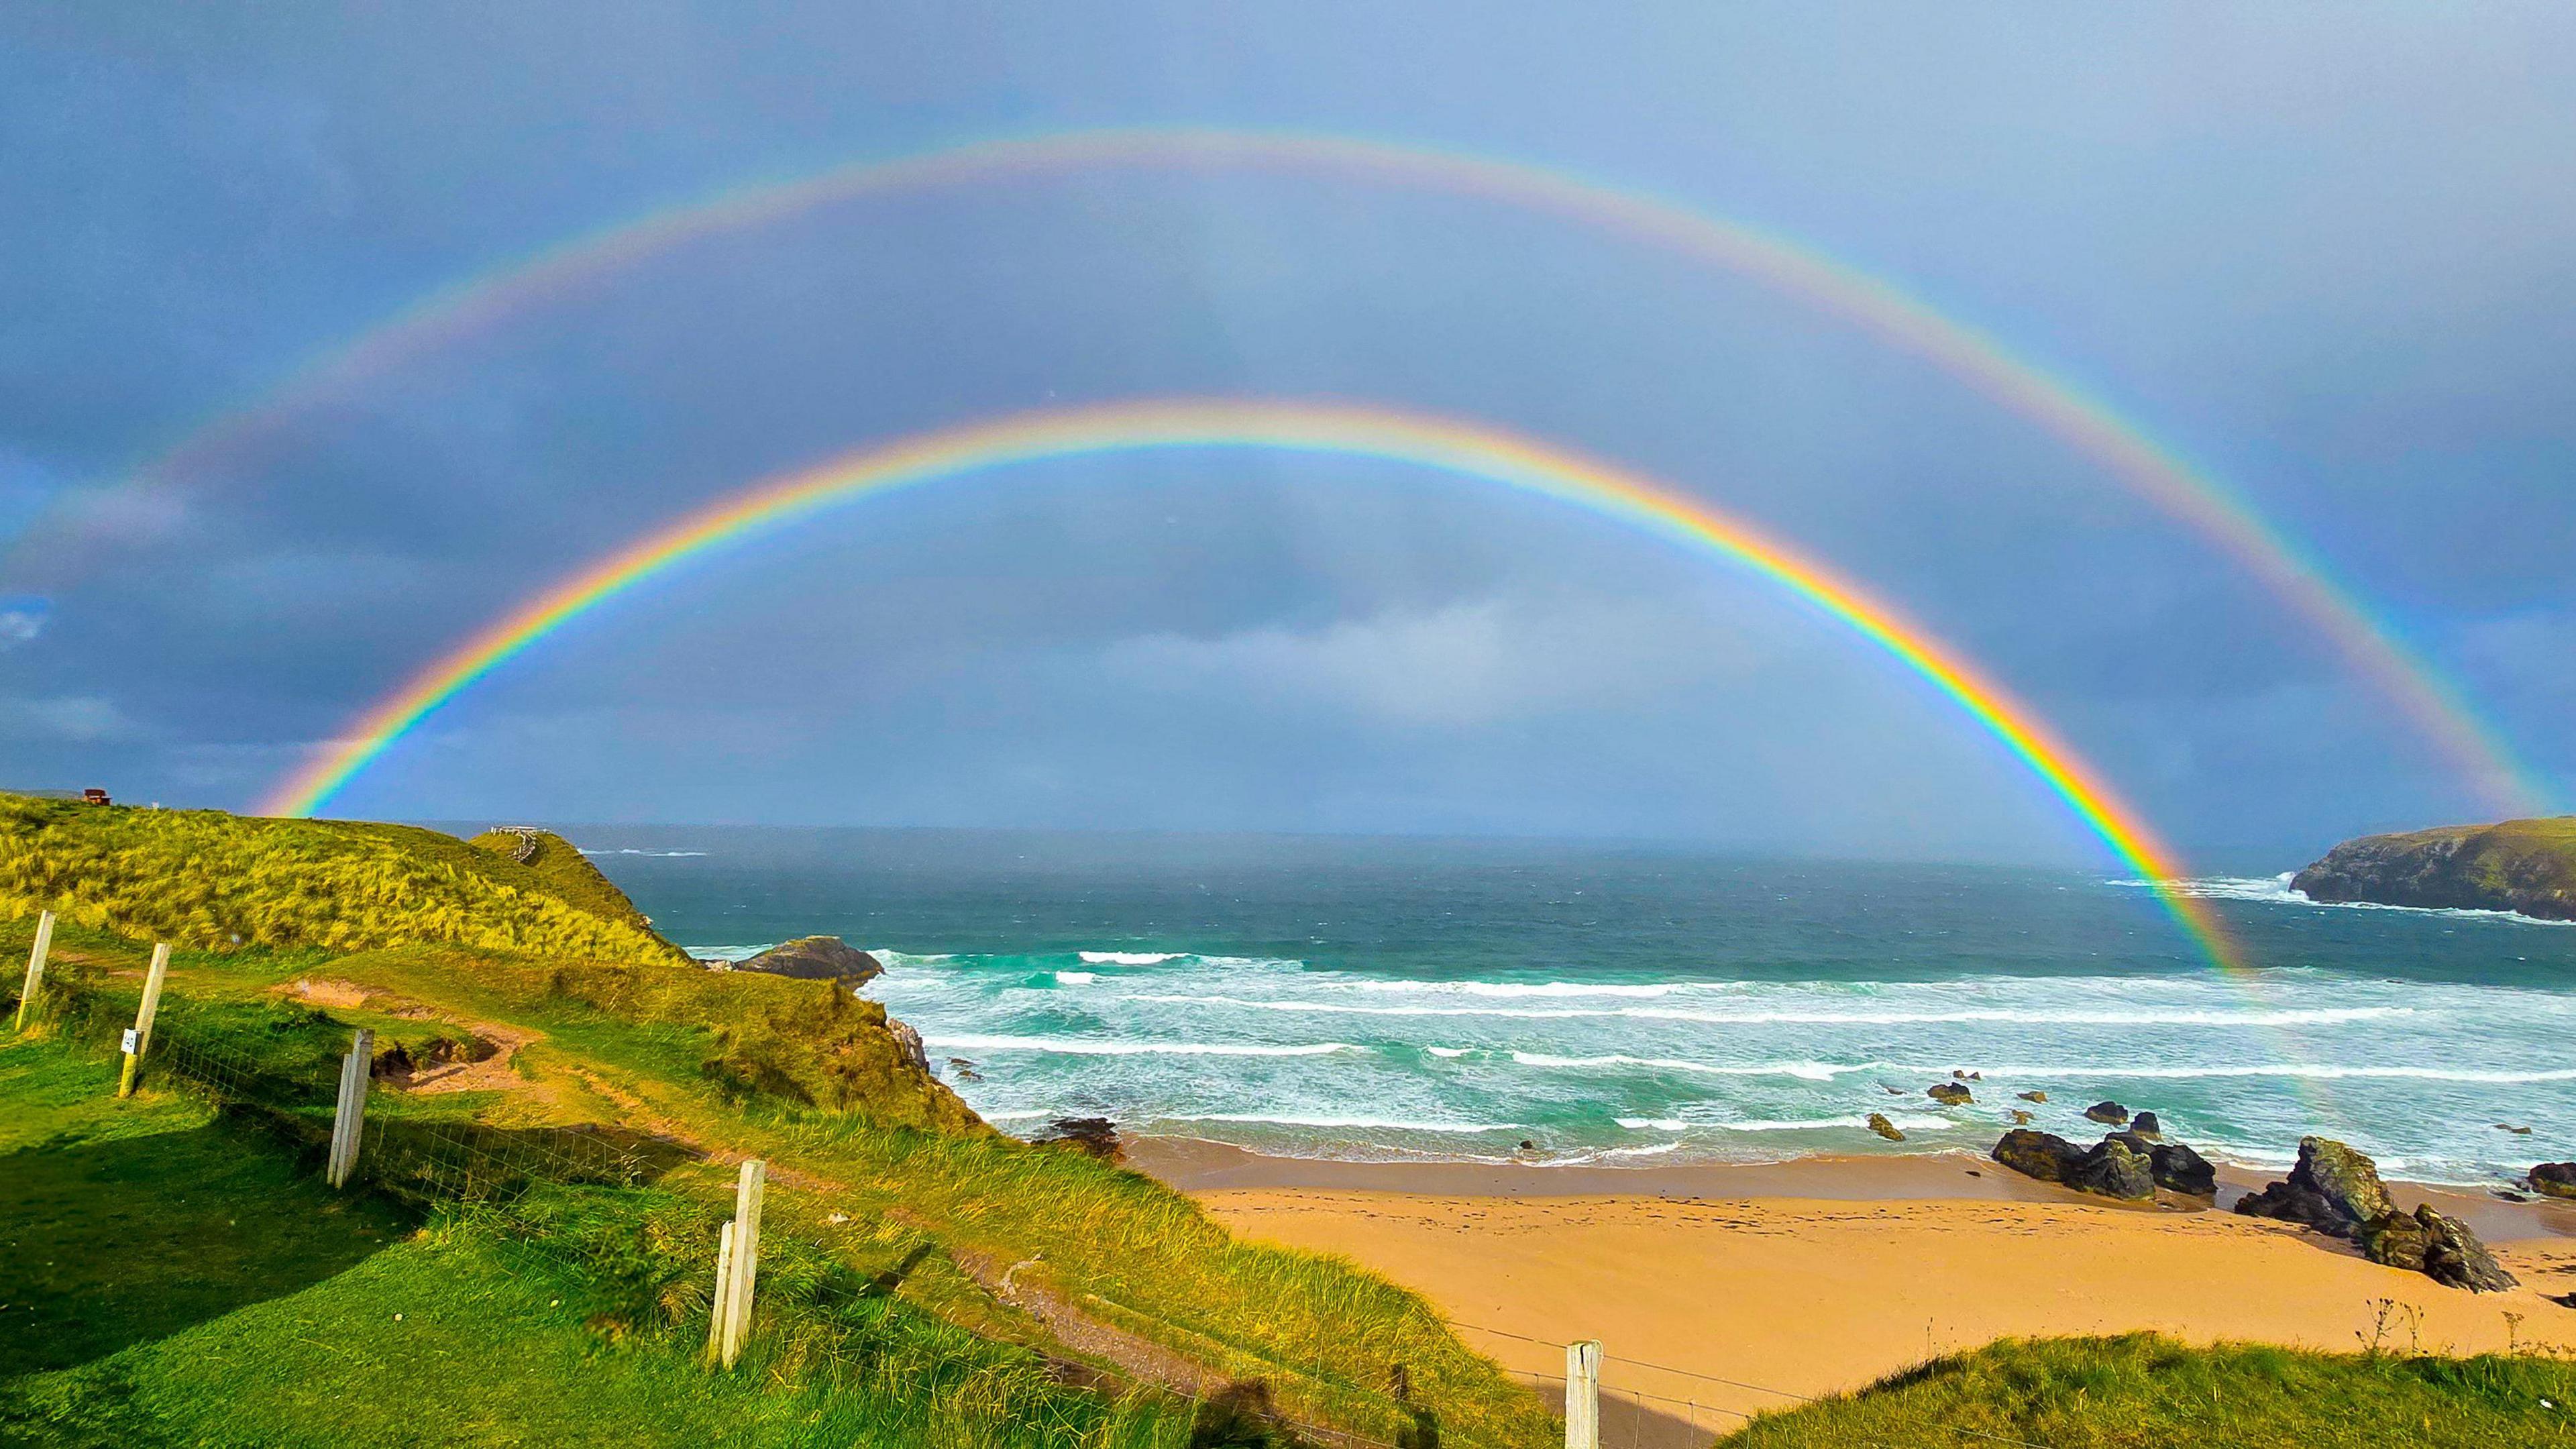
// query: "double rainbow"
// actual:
[[1450, 446], [2125, 450]]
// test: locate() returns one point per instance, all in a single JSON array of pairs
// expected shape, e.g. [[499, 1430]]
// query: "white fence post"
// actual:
[[1583, 1395], [745, 1276], [139, 1040], [356, 1073], [36, 966], [723, 1301]]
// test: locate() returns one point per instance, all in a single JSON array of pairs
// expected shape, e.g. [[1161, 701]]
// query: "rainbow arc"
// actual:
[[1446, 445]]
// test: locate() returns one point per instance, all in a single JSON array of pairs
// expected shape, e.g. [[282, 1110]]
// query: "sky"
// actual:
[[2325, 253]]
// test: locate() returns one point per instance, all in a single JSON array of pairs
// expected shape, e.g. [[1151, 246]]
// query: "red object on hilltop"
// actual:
[[94, 796]]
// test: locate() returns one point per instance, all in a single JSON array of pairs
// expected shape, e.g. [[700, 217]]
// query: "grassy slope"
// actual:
[[684, 1052], [180, 1282], [204, 878], [566, 873], [2146, 1392]]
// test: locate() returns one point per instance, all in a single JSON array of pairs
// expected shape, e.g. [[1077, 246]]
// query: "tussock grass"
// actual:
[[2142, 1391], [205, 878]]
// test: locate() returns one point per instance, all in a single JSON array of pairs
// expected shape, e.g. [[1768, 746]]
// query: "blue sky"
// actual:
[[2329, 253]]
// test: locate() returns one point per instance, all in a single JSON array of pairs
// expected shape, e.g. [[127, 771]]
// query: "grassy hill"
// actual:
[[2521, 865], [205, 878]]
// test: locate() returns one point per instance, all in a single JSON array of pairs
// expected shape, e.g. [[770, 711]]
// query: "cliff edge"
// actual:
[[2527, 866]]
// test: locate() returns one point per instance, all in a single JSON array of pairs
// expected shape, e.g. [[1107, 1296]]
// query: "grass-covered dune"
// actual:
[[205, 878], [2520, 865], [2145, 1392]]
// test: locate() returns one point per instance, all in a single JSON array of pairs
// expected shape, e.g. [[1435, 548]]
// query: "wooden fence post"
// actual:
[[36, 966], [723, 1300], [746, 1258], [139, 1040], [1583, 1395], [356, 1073]]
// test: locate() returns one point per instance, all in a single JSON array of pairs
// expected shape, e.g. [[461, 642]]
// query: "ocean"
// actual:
[[1551, 1003]]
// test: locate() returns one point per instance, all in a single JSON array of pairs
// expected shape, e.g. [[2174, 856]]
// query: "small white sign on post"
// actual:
[[133, 1040]]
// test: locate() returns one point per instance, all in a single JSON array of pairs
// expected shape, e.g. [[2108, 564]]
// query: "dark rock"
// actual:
[[2334, 1190], [2113, 1170], [1957, 1075], [1097, 1136], [2146, 1125], [2516, 1131], [1879, 1124], [1949, 1094], [2019, 1117], [2563, 1300], [1894, 1091], [2043, 1155], [1528, 1146], [2554, 1179], [2032, 1096], [817, 958], [2508, 1194], [2179, 1169], [2520, 865], [2442, 1248], [2108, 1113], [963, 1070]]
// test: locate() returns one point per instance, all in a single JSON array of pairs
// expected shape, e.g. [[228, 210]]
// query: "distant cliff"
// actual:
[[2522, 865]]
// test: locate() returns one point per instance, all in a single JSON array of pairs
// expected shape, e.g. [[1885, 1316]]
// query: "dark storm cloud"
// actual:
[[2327, 257]]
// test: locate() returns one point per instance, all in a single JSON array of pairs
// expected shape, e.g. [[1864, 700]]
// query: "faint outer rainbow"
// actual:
[[1447, 445], [1876, 305]]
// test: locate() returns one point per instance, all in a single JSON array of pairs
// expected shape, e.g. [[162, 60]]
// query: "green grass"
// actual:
[[2141, 1391], [205, 878], [567, 874], [175, 1279]]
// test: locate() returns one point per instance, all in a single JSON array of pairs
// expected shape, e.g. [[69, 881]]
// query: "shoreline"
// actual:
[[1823, 1275], [1197, 1166]]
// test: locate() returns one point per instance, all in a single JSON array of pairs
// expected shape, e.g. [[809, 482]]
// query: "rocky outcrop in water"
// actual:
[[1949, 1094], [2554, 1179], [2527, 866], [1097, 1136], [2336, 1190], [2113, 1169], [817, 958], [1879, 1124], [2109, 1114]]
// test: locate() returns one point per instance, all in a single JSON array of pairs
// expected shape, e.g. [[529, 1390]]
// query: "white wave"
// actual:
[[1076, 978], [1646, 989], [1909, 1122], [1065, 1046], [1447, 1051], [1364, 1123], [1013, 1116], [2275, 890], [1130, 958], [2304, 1070], [1654, 1149], [1653, 1124], [2025, 1016], [892, 958], [1806, 1071]]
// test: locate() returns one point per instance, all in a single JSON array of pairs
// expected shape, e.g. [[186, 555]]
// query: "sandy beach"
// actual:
[[1820, 1275]]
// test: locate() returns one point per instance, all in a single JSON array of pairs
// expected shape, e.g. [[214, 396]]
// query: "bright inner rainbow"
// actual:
[[1451, 446]]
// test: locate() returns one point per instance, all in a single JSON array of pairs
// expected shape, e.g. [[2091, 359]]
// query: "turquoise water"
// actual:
[[1396, 999]]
